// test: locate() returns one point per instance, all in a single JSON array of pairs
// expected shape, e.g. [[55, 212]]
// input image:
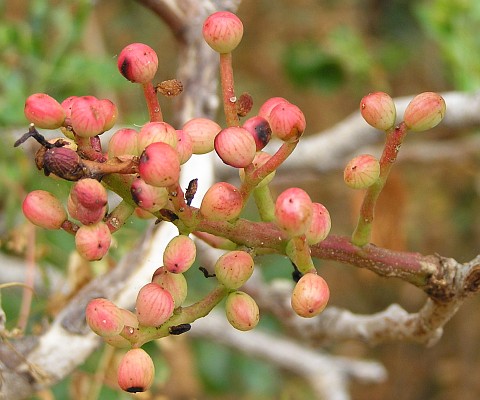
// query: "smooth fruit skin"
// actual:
[[222, 202], [202, 131], [310, 295], [43, 209], [138, 63], [154, 305], [293, 211], [93, 241], [235, 146], [104, 318], [44, 111], [425, 111], [378, 110], [179, 255], [361, 172], [136, 371], [223, 31], [234, 268], [242, 311], [159, 165]]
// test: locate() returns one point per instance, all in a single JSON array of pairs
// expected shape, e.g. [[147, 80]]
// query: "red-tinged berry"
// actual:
[[179, 255], [150, 198], [136, 371], [202, 131], [86, 216], [44, 111], [130, 321], [154, 305], [378, 110], [104, 318], [159, 165], [138, 63], [310, 295], [123, 142], [293, 211], [43, 209], [287, 122], [260, 130], [175, 284], [153, 132], [267, 107], [87, 117], [425, 111], [111, 112], [242, 311], [90, 193], [223, 31], [234, 268], [260, 158], [235, 146], [361, 172], [93, 241], [320, 225], [184, 146], [222, 202]]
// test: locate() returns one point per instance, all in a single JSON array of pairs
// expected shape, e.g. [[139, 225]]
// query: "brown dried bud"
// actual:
[[170, 88], [244, 104], [63, 162]]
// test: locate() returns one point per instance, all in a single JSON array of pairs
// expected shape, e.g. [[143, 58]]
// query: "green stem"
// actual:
[[228, 90], [265, 203], [298, 251], [363, 231], [117, 218], [253, 178], [153, 105]]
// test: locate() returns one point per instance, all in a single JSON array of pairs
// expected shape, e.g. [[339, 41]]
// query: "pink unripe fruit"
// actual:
[[361, 172], [175, 284], [138, 63], [154, 305], [87, 201], [234, 268], [104, 318], [235, 146], [179, 255], [267, 107], [93, 241], [310, 295], [111, 112], [86, 216], [242, 311], [425, 111], [159, 165], [378, 110], [287, 122], [260, 130], [222, 202], [320, 225], [293, 211], [118, 341], [136, 371], [153, 132], [202, 131], [260, 159], [223, 31], [123, 142], [88, 117], [90, 193], [43, 209], [44, 111], [184, 146], [150, 198]]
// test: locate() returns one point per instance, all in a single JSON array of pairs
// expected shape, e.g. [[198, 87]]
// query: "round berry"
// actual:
[[138, 63], [223, 31]]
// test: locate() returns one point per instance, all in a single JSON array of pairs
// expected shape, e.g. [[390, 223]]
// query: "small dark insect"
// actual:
[[179, 329]]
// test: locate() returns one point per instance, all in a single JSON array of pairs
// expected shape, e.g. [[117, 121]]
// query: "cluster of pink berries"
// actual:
[[144, 165]]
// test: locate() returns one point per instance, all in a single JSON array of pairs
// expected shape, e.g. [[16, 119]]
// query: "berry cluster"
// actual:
[[143, 167]]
